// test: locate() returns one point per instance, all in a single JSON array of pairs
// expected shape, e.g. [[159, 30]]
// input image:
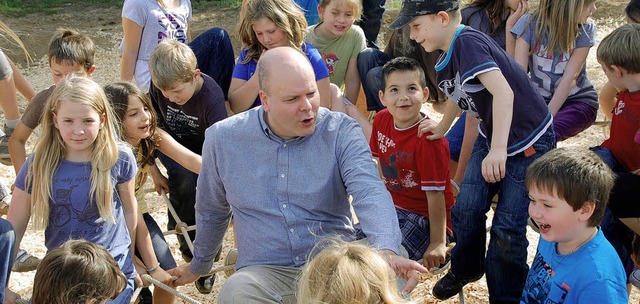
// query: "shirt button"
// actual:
[[297, 258], [291, 230], [284, 206], [282, 175], [284, 145]]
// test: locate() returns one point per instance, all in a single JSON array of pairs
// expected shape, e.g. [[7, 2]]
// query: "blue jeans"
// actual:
[[182, 195], [372, 11], [214, 53], [7, 247], [505, 264], [370, 62], [160, 247]]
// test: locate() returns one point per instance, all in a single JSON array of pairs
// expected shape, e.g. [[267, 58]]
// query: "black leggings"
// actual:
[[624, 200]]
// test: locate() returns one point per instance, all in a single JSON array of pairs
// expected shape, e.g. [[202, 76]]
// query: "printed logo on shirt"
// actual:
[[453, 89], [541, 286], [181, 124], [330, 59], [173, 28]]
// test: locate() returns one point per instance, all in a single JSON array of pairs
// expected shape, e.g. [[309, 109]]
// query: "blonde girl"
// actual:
[[266, 24], [348, 273], [78, 184], [78, 272], [553, 44], [339, 42]]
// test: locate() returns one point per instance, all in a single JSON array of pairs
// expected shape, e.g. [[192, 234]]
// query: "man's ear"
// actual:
[[264, 99]]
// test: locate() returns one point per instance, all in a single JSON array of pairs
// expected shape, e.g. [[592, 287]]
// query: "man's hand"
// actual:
[[428, 125], [183, 275], [434, 256], [493, 165], [404, 268]]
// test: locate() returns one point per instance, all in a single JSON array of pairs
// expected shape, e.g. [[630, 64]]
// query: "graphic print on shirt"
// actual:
[[453, 89], [181, 124], [173, 28], [330, 59], [396, 179], [67, 206], [541, 287], [549, 63]]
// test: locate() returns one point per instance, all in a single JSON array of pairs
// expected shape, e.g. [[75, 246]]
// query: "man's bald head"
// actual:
[[281, 60]]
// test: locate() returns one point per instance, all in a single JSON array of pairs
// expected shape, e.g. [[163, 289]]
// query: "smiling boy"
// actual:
[[569, 189]]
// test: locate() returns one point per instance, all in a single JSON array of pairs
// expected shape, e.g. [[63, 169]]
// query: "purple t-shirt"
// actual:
[[244, 71], [472, 53], [186, 123], [71, 217]]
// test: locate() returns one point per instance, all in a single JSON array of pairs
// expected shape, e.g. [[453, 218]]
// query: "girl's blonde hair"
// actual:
[[14, 36], [348, 273], [51, 149], [560, 20], [118, 94], [285, 14], [76, 273], [356, 5]]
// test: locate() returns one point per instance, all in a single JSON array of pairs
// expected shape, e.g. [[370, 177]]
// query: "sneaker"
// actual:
[[5, 157], [634, 278], [25, 262], [204, 285], [450, 286], [230, 260]]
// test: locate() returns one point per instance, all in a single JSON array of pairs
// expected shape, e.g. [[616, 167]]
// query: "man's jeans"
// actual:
[[370, 62], [7, 247], [505, 264], [214, 53]]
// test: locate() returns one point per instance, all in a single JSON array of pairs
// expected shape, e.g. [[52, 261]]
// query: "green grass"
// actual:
[[23, 7], [18, 8]]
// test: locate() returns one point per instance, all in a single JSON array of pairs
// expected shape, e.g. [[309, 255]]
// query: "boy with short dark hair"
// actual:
[[569, 189], [69, 52], [478, 76], [187, 103], [414, 169]]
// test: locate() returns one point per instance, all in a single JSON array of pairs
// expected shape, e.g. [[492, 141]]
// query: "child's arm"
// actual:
[[145, 248], [126, 191], [523, 8], [493, 165], [352, 81], [17, 145], [132, 37], [568, 80], [607, 99], [437, 250], [521, 53], [160, 182], [174, 150], [468, 142], [21, 84], [242, 93], [324, 88], [451, 111]]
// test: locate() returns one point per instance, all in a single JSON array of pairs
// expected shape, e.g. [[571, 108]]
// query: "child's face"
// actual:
[[586, 12], [61, 70], [79, 126], [512, 5], [557, 220], [182, 92], [268, 34], [137, 119], [337, 17], [403, 96], [424, 30]]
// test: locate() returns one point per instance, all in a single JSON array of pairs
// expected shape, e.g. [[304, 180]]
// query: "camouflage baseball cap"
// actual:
[[414, 8]]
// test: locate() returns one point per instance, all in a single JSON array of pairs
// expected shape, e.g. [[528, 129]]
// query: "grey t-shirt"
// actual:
[[157, 24], [33, 114]]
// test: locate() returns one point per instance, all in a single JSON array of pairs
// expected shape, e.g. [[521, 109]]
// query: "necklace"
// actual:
[[576, 248]]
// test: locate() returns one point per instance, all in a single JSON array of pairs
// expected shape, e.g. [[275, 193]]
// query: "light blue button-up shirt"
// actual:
[[286, 195]]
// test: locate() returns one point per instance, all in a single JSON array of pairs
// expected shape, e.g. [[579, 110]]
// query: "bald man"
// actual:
[[286, 170]]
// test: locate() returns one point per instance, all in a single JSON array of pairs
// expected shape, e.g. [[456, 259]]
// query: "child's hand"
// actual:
[[493, 165], [434, 256], [161, 275], [161, 184], [523, 8], [430, 126]]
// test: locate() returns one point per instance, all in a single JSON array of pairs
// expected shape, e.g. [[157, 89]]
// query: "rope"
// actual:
[[135, 295], [174, 292]]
